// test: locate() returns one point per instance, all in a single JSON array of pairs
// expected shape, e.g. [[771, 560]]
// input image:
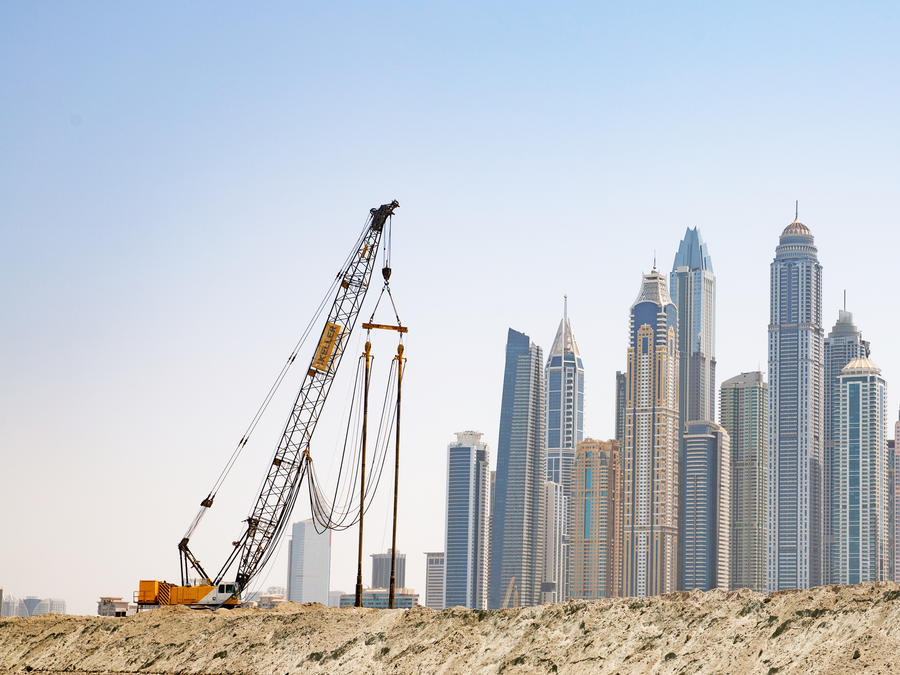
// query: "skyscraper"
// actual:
[[861, 518], [564, 387], [516, 557], [468, 506], [554, 530], [743, 412], [892, 506], [693, 290], [434, 580], [620, 408], [896, 503], [595, 542], [309, 563], [843, 344], [650, 457], [706, 507], [381, 570], [796, 414]]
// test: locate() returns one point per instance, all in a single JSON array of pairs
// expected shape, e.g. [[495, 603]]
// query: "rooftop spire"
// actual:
[[564, 343], [796, 210]]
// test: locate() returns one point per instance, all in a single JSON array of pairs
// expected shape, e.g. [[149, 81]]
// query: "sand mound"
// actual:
[[828, 629]]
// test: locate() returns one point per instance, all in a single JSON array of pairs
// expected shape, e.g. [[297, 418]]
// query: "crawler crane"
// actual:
[[272, 509]]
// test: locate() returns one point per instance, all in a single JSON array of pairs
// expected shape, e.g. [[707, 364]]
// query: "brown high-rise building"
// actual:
[[595, 543]]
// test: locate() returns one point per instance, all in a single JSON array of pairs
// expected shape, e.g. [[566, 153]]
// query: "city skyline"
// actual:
[[171, 217]]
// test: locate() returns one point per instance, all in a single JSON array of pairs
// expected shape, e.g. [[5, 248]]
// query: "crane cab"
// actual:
[[158, 593]]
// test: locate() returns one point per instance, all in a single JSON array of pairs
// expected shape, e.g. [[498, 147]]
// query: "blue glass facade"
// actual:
[[843, 344], [862, 547], [564, 384], [516, 551]]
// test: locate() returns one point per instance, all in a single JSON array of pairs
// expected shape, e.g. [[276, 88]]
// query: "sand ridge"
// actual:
[[826, 629]]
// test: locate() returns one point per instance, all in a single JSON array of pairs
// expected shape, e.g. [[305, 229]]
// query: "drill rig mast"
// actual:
[[284, 477]]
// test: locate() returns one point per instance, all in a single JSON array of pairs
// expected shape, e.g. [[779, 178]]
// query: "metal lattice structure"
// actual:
[[285, 475]]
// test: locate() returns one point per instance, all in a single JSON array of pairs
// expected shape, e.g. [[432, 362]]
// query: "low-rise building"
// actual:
[[377, 598]]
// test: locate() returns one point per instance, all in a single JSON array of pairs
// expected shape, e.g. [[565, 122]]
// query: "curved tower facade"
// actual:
[[650, 455], [796, 413]]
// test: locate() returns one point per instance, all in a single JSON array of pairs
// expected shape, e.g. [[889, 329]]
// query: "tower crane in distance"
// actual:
[[274, 504]]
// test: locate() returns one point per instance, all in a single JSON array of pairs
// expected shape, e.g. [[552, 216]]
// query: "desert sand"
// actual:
[[828, 629]]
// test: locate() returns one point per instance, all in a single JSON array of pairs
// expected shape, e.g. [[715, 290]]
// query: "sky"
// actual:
[[179, 183]]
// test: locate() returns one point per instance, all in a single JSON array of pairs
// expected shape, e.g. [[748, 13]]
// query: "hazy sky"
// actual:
[[179, 184]]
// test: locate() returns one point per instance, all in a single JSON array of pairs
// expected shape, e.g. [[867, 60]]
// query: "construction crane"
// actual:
[[511, 591], [272, 509]]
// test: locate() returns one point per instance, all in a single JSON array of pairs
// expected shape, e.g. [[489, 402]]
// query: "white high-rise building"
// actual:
[[554, 526], [468, 522], [795, 521], [434, 580], [309, 564]]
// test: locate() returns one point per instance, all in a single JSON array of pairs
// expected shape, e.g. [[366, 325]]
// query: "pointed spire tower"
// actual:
[[564, 384]]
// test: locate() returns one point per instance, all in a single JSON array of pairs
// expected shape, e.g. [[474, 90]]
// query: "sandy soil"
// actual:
[[828, 629]]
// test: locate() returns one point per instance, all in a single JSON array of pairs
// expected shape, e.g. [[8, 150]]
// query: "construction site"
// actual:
[[826, 629]]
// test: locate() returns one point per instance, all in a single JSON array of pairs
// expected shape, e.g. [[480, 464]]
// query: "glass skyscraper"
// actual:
[[862, 517], [692, 286], [843, 344], [705, 507], [743, 412], [796, 413], [468, 503], [564, 386], [516, 558], [650, 455]]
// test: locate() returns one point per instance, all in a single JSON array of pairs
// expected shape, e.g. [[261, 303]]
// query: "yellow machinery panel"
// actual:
[[326, 346], [163, 593]]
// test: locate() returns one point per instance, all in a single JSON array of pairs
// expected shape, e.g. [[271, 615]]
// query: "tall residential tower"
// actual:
[[564, 387], [650, 455], [706, 507], [692, 285], [843, 344], [862, 499], [468, 504], [796, 414], [516, 558], [309, 563], [743, 412]]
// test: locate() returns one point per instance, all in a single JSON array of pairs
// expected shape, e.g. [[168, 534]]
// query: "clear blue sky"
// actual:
[[178, 184]]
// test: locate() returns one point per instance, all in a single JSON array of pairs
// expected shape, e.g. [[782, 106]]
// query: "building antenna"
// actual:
[[845, 299], [796, 209], [654, 260], [565, 324]]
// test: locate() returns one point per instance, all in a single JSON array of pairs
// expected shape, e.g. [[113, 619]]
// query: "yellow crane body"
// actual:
[[152, 592]]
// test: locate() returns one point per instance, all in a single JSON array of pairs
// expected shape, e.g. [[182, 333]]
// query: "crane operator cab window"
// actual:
[[226, 588]]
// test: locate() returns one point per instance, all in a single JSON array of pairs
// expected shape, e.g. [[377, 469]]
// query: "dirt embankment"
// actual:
[[828, 629]]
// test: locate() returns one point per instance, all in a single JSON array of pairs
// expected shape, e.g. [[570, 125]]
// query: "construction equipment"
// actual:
[[272, 509], [511, 591]]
